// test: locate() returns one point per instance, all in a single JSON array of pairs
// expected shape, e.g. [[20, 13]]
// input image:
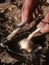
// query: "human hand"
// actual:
[[44, 24], [28, 8]]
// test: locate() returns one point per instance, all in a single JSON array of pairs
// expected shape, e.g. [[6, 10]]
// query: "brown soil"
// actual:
[[10, 16]]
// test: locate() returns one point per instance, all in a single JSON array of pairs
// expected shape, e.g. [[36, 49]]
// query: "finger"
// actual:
[[41, 25], [25, 13], [45, 29], [46, 18], [39, 6], [33, 15], [40, 9], [36, 11]]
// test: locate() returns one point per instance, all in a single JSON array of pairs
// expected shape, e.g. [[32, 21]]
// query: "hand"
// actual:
[[28, 8], [31, 9], [28, 13], [44, 24]]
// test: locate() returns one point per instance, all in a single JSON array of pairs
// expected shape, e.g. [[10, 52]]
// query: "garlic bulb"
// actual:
[[26, 44]]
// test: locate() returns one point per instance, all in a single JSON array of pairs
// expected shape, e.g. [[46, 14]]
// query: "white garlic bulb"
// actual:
[[26, 45]]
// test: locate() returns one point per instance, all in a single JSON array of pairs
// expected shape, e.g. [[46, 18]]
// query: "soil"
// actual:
[[10, 16]]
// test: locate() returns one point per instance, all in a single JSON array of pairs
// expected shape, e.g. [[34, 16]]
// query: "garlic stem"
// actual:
[[15, 31], [9, 37], [33, 33]]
